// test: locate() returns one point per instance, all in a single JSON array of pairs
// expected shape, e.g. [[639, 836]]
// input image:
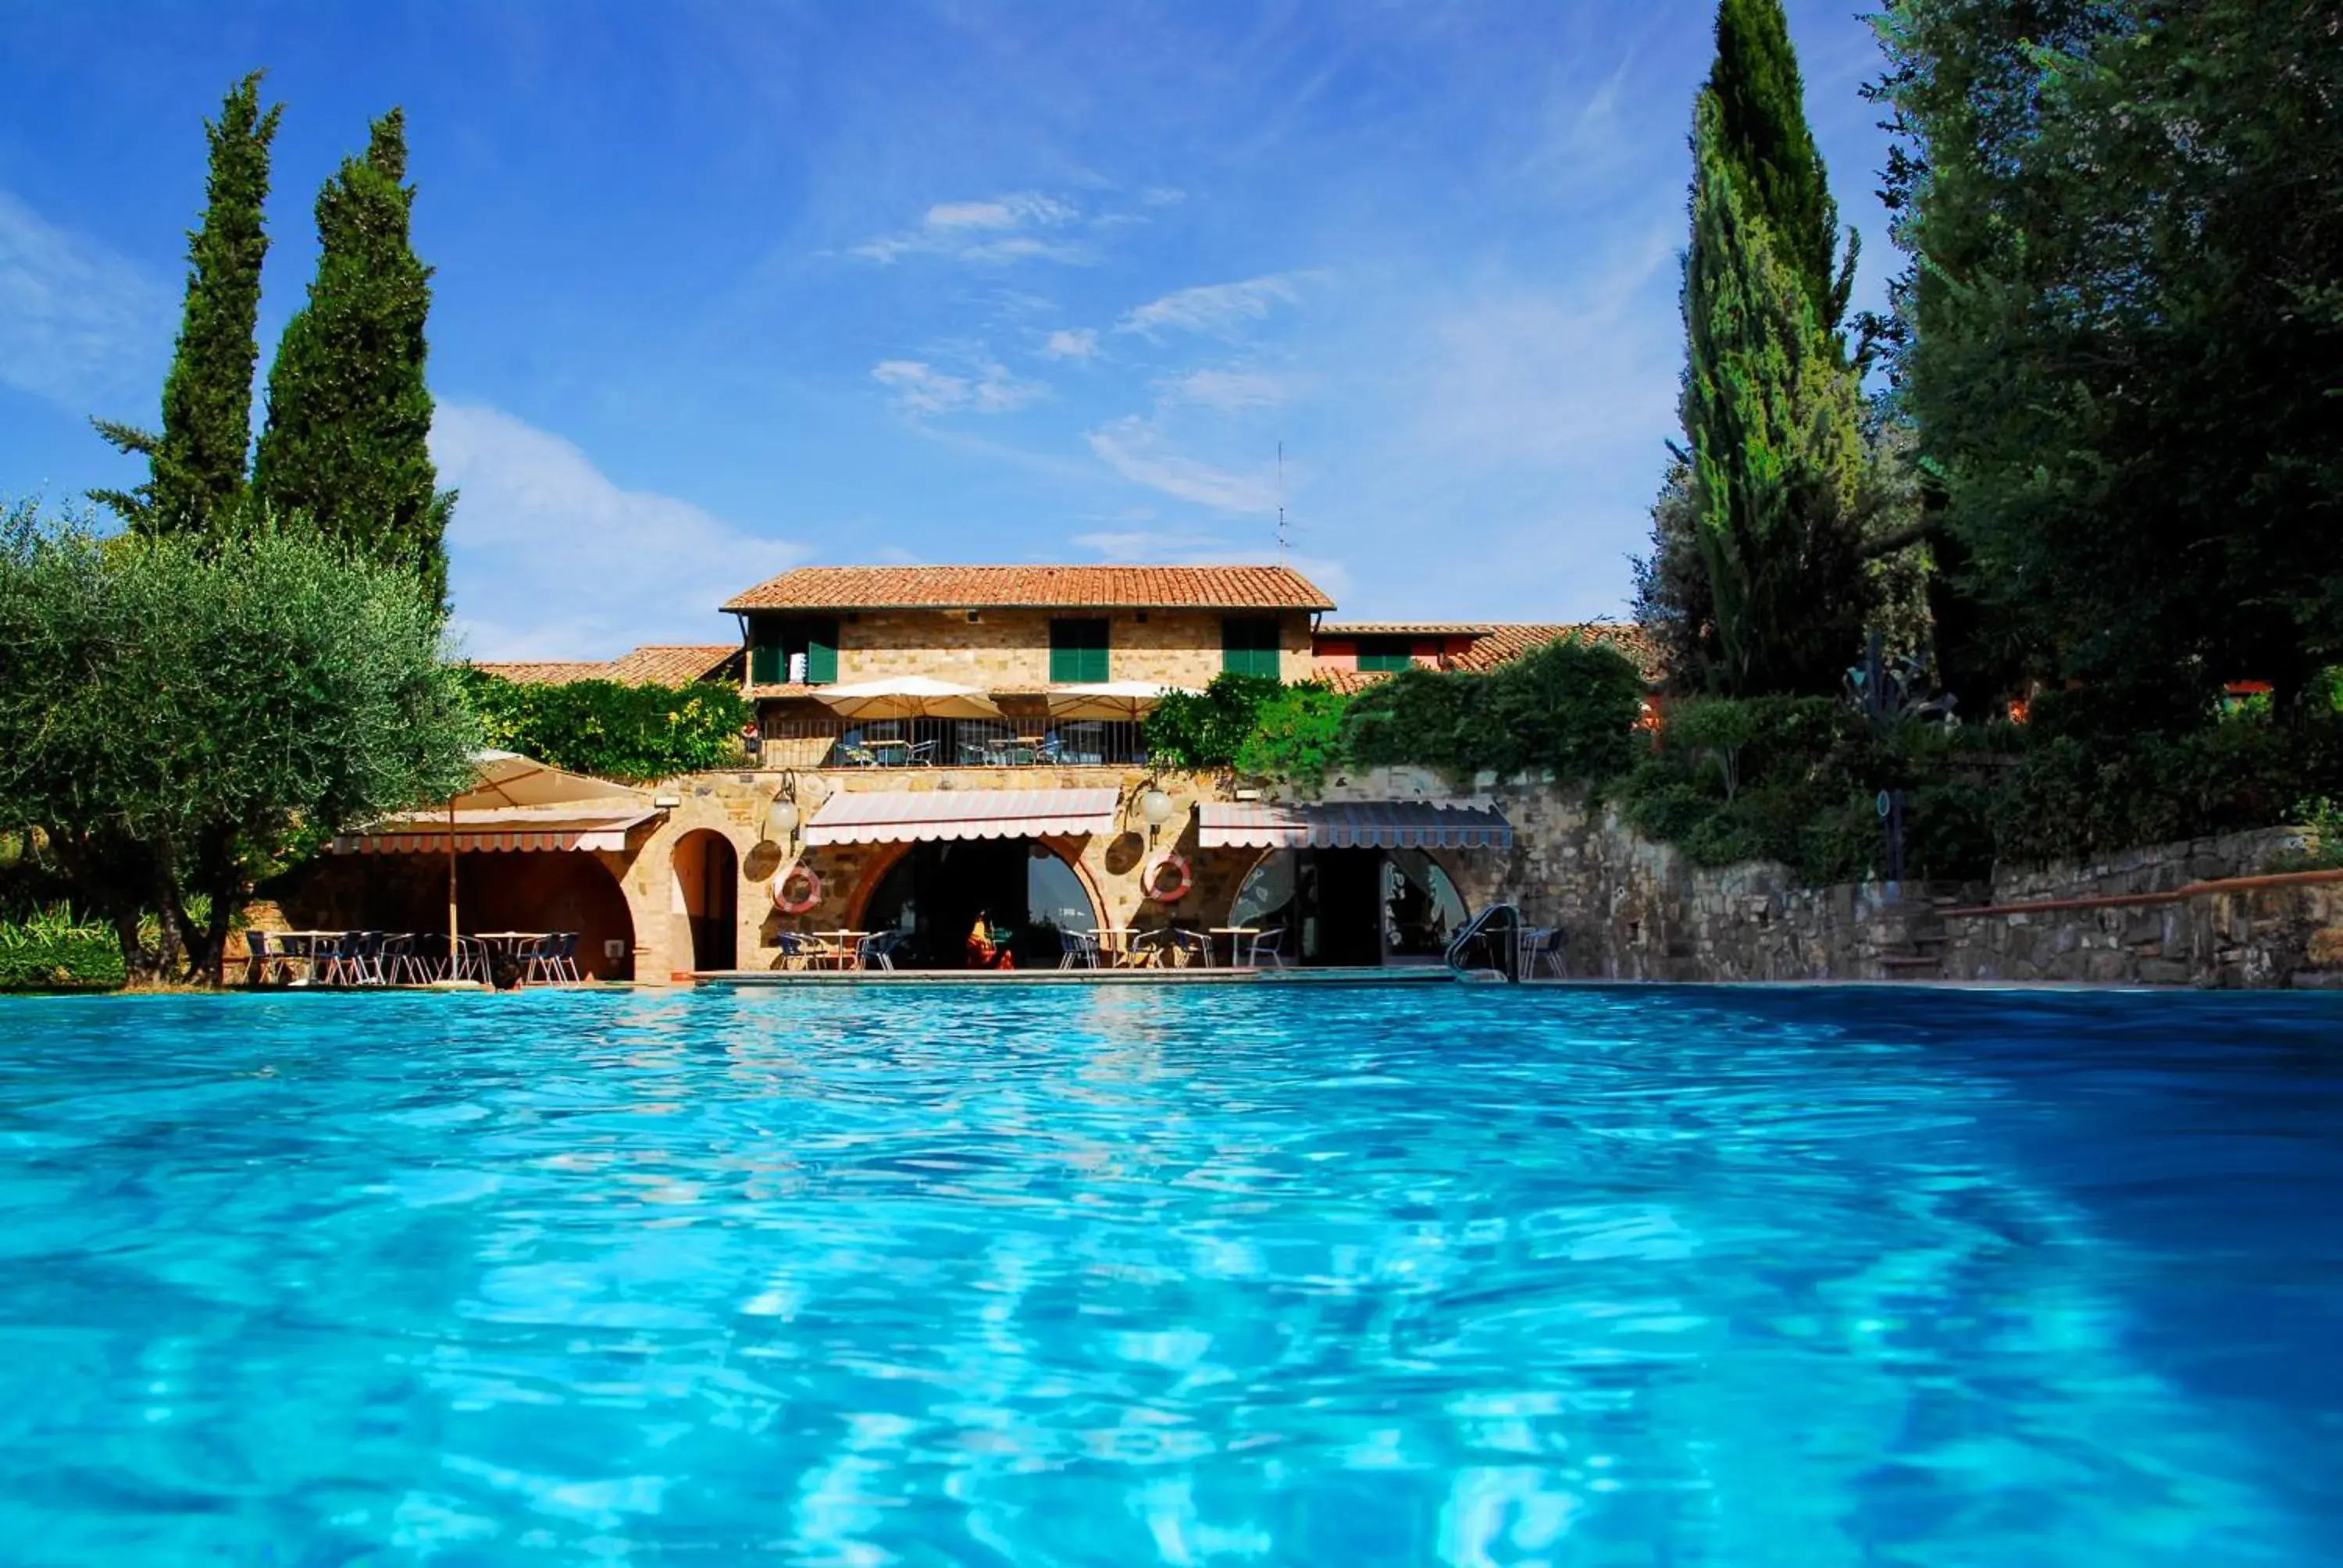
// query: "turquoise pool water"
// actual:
[[1232, 1275]]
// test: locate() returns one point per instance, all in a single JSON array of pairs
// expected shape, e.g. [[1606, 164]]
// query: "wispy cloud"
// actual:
[[1003, 229], [81, 326], [1222, 310], [1227, 391], [1139, 450], [1081, 343], [921, 388], [550, 558]]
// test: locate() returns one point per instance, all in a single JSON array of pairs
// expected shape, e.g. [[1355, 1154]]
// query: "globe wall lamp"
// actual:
[[1156, 806]]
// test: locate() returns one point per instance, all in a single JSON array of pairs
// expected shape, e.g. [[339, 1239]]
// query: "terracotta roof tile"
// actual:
[[1035, 587], [659, 664], [1501, 643], [1405, 628]]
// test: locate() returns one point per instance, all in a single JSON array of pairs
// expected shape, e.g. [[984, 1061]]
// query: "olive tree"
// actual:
[[180, 718]]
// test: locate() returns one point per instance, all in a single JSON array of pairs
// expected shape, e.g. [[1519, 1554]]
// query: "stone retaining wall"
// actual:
[[1635, 910]]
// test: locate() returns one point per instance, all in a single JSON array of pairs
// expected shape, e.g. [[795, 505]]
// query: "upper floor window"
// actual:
[[1077, 651], [1386, 652], [792, 649], [1249, 646]]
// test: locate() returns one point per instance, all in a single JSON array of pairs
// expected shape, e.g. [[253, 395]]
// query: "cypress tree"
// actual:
[[195, 465], [349, 414], [1762, 133], [1771, 407]]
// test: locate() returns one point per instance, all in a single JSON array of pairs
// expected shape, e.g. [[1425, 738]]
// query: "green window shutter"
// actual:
[[821, 653], [1249, 646], [1385, 653], [1078, 651], [765, 665]]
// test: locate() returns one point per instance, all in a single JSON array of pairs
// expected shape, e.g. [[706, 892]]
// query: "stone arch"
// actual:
[[704, 884]]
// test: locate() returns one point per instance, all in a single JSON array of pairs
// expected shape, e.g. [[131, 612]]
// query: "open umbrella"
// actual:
[[507, 779], [1108, 698], [907, 696]]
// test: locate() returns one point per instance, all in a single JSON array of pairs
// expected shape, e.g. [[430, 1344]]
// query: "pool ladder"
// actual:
[[1493, 937]]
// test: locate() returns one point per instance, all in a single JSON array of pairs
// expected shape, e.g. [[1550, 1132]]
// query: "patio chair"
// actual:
[[848, 751], [796, 949], [473, 962], [922, 754], [356, 959], [258, 958], [401, 964], [1188, 946], [1267, 944], [1545, 944], [1078, 950], [879, 948]]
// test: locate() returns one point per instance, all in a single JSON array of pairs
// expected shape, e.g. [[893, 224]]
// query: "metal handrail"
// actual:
[[1482, 928]]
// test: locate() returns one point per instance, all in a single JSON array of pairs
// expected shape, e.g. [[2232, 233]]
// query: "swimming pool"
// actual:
[[1259, 1275]]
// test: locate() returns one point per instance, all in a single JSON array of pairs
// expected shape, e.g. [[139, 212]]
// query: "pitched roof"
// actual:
[[654, 664], [1502, 643], [1035, 587], [1405, 628]]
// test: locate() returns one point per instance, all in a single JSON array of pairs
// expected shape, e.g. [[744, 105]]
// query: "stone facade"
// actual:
[[1635, 910], [1009, 649]]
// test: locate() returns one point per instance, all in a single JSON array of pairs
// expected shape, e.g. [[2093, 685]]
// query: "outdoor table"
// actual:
[[1236, 935], [845, 948], [889, 753], [304, 946], [1114, 946], [510, 944]]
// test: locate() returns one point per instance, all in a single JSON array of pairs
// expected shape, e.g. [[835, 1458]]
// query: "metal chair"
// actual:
[[1267, 944], [878, 949], [1187, 944], [922, 754], [1544, 944], [402, 964], [1078, 950], [796, 949], [258, 958]]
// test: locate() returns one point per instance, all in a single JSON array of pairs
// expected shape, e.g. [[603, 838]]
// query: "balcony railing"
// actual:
[[952, 743]]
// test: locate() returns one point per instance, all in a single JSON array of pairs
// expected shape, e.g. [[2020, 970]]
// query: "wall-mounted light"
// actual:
[[781, 819], [1156, 806], [666, 802]]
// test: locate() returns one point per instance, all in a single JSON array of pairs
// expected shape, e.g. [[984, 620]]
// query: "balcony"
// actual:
[[799, 742]]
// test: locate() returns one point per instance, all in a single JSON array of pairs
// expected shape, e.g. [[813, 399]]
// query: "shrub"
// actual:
[[1570, 707], [1207, 728], [53, 948], [1297, 733], [638, 734]]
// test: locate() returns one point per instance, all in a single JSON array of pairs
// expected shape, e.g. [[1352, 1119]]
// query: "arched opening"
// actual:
[[502, 891], [706, 899], [1351, 907], [1022, 890]]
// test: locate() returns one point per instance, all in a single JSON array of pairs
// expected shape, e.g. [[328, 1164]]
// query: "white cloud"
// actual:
[[1078, 344], [1220, 308], [987, 233], [921, 388], [1151, 544], [1138, 451], [1228, 391], [548, 558], [80, 325]]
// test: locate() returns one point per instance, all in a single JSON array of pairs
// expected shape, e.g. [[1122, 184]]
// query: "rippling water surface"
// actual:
[[1257, 1275]]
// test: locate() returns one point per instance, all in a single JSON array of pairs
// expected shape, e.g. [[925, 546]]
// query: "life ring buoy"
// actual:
[[812, 879], [1150, 877]]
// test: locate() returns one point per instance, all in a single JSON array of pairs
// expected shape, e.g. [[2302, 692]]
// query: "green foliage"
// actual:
[[1771, 409], [636, 734], [1761, 127], [1207, 728], [2125, 332], [195, 466], [52, 949], [1570, 707], [179, 716], [349, 412], [1297, 733]]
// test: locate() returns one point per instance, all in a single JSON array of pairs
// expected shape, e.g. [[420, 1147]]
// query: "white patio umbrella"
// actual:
[[907, 696], [507, 779], [1108, 698]]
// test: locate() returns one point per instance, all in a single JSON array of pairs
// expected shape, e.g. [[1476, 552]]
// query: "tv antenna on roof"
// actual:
[[1282, 544]]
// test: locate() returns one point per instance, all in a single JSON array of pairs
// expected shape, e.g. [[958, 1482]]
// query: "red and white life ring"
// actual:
[[812, 879], [1150, 877]]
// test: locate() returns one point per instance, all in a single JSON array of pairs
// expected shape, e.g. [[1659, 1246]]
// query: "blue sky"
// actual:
[[725, 288]]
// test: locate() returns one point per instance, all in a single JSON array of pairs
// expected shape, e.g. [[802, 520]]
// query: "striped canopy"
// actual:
[[904, 816], [1367, 824]]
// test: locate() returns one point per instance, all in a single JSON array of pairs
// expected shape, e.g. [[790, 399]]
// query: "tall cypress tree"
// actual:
[[1762, 133], [196, 464], [1772, 410], [349, 414]]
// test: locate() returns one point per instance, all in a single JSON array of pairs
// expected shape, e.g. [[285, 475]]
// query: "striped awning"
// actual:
[[1367, 824], [494, 831], [902, 816]]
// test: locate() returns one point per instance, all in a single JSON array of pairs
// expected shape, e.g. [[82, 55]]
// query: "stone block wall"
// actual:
[[1009, 650]]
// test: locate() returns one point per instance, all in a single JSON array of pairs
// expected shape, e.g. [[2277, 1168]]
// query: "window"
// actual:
[[1385, 653], [1077, 651], [780, 646], [1249, 646]]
